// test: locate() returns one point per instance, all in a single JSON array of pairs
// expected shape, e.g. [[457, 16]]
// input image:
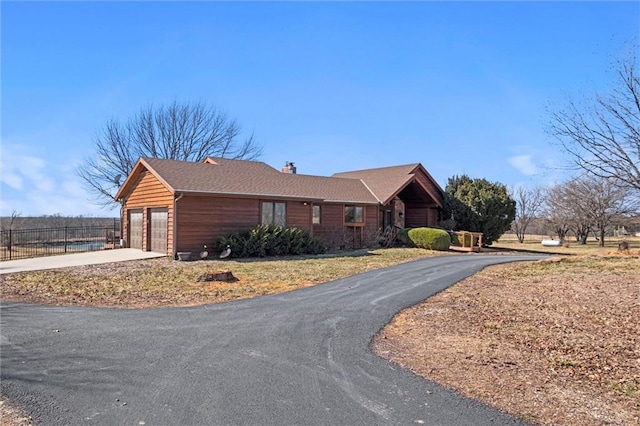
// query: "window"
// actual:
[[316, 215], [274, 213], [353, 214]]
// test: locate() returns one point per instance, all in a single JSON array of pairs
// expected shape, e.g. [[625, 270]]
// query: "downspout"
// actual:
[[175, 224]]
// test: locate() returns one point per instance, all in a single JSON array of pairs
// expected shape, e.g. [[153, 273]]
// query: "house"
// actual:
[[170, 205]]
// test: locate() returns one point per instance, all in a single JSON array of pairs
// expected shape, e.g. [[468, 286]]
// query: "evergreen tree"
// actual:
[[478, 205]]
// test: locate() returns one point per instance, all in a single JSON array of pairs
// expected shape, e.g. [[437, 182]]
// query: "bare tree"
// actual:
[[179, 131], [577, 200], [605, 202], [556, 211], [13, 222], [529, 203], [566, 211], [589, 203], [603, 139], [8, 224]]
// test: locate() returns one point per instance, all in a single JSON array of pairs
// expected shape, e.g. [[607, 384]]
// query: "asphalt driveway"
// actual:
[[297, 358]]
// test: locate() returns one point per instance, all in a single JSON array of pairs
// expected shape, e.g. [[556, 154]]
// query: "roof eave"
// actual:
[[373, 203], [276, 196], [410, 178], [251, 195]]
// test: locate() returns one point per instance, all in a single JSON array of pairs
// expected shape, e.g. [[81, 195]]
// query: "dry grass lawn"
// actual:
[[554, 342], [10, 415], [164, 282]]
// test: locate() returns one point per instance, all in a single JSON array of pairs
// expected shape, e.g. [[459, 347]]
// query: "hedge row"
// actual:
[[271, 240]]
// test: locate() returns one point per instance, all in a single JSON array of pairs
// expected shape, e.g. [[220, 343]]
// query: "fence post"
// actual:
[[65, 239], [10, 242]]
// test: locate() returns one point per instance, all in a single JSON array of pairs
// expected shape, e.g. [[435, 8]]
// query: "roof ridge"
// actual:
[[379, 168], [369, 189]]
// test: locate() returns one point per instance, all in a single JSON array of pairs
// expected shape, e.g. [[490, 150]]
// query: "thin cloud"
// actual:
[[35, 186], [524, 164]]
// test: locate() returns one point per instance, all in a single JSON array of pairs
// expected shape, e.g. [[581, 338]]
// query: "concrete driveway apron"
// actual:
[[75, 259]]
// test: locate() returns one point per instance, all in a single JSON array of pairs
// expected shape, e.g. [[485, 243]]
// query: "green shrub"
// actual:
[[403, 237], [430, 238], [271, 240]]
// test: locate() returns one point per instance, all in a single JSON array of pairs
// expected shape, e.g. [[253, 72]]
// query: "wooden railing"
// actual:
[[467, 241]]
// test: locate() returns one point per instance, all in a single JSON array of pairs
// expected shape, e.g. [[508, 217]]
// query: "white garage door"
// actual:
[[135, 229], [159, 219]]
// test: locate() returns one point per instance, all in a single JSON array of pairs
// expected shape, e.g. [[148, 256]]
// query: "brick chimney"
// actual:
[[289, 168]]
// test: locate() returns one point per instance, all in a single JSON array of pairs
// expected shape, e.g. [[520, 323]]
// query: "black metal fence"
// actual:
[[26, 243]]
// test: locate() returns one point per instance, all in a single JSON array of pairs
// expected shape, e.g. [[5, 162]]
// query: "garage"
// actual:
[[158, 231], [135, 229]]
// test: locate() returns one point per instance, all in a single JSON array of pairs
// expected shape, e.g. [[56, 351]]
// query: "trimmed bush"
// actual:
[[271, 240], [430, 238]]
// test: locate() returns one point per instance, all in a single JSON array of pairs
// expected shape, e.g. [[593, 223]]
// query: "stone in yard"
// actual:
[[217, 276]]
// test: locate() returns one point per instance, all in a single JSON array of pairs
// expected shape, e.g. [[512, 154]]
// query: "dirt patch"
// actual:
[[552, 342], [11, 415]]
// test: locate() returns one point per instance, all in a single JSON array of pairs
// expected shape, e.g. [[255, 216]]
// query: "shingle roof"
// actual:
[[254, 178], [240, 177], [384, 182]]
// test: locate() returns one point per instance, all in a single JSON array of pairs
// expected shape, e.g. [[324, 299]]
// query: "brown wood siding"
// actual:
[[416, 217], [432, 216], [330, 230], [336, 235], [148, 192], [427, 183], [372, 228], [421, 215], [202, 219], [298, 214]]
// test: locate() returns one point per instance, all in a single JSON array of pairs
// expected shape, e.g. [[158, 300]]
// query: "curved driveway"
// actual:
[[291, 359]]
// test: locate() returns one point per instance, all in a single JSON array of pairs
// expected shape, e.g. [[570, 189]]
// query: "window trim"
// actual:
[[273, 212], [313, 214], [354, 223]]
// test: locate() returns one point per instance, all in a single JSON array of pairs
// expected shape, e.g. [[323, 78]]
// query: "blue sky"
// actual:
[[461, 87]]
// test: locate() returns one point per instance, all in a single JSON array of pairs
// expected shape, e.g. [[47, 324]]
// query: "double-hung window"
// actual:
[[274, 213]]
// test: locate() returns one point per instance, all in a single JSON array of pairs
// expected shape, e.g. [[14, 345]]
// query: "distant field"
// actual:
[[533, 243]]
